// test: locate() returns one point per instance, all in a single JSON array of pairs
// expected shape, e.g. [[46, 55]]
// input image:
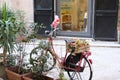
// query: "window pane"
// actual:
[[106, 5], [74, 15], [43, 4]]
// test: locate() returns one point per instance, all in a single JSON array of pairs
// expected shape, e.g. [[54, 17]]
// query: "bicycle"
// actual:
[[78, 65]]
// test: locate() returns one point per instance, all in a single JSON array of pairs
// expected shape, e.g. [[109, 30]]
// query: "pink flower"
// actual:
[[55, 22]]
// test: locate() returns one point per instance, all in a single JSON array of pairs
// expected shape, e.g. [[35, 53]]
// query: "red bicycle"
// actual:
[[75, 62], [78, 65]]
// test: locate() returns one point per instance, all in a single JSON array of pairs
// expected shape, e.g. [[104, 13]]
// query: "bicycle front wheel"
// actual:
[[45, 57], [84, 74]]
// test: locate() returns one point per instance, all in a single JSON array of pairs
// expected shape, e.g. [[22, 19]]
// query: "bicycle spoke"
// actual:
[[39, 54]]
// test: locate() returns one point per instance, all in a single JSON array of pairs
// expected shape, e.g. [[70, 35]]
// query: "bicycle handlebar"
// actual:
[[50, 33]]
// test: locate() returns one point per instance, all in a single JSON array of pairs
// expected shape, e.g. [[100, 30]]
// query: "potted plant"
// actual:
[[16, 64], [21, 68], [38, 65], [10, 26]]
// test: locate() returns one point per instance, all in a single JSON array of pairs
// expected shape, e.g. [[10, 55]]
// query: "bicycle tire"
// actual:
[[41, 54], [82, 75]]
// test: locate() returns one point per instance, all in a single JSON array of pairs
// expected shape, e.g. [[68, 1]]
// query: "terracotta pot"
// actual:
[[2, 72], [29, 77], [12, 75]]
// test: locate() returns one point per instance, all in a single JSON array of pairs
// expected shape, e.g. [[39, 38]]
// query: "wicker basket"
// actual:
[[77, 46]]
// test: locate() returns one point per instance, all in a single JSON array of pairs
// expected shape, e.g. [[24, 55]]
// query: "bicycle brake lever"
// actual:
[[47, 31], [57, 28], [51, 32]]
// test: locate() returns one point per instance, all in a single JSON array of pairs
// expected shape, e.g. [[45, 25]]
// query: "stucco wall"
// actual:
[[25, 5]]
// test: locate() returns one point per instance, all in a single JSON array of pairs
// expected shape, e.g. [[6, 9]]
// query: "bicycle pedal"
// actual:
[[81, 69]]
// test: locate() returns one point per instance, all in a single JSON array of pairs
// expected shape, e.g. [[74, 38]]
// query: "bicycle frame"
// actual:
[[62, 61]]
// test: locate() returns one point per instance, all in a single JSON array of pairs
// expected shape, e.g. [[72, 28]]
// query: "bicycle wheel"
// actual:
[[84, 74], [42, 58]]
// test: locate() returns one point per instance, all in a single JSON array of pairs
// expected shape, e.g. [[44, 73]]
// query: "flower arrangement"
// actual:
[[78, 46]]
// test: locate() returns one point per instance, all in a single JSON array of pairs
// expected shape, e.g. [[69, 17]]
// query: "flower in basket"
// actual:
[[78, 46], [81, 45]]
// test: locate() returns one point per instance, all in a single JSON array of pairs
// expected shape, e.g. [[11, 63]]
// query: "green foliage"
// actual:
[[33, 28], [37, 65], [17, 58], [10, 26], [11, 59], [38, 59], [44, 44]]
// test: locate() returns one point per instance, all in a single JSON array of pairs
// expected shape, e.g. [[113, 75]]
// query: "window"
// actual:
[[73, 15]]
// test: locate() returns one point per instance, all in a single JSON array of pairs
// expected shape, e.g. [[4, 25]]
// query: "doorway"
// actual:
[[44, 14], [106, 13]]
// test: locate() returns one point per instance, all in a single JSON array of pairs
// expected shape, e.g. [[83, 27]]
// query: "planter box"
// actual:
[[29, 77], [12, 75]]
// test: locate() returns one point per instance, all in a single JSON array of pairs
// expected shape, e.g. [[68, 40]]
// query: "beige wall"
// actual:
[[25, 5]]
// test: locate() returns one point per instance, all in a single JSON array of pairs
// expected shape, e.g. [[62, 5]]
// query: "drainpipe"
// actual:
[[55, 7], [118, 35], [118, 24]]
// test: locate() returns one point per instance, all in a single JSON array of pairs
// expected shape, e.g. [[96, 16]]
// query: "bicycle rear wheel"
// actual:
[[39, 55], [84, 74]]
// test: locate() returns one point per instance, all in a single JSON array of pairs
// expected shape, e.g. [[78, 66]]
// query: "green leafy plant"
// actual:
[[13, 33], [32, 31], [18, 60], [37, 68], [10, 26], [38, 60], [11, 60]]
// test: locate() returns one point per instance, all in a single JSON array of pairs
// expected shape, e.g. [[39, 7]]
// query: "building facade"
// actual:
[[79, 18]]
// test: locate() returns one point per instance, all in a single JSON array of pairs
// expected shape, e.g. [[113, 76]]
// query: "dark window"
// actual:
[[44, 14], [43, 4], [106, 5]]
